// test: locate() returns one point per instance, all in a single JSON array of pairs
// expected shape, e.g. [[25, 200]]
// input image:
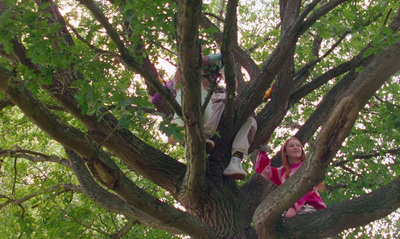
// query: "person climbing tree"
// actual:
[[211, 76], [293, 157]]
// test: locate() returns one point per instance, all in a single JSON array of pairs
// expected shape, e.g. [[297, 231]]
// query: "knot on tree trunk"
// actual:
[[191, 119], [103, 173]]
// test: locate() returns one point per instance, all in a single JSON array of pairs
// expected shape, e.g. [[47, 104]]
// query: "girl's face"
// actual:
[[294, 150]]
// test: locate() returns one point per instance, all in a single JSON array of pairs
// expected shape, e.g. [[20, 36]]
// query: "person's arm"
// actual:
[[262, 159], [263, 167]]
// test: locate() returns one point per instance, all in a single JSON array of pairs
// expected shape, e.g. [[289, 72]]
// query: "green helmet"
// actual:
[[212, 64]]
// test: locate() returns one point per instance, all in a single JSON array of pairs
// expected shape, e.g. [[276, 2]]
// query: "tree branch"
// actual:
[[330, 139], [4, 103], [306, 68], [256, 89], [322, 11], [135, 153], [375, 153], [230, 38], [33, 156], [348, 214], [129, 60], [58, 187], [124, 230], [268, 115], [100, 164], [189, 58], [147, 207], [86, 42], [240, 55]]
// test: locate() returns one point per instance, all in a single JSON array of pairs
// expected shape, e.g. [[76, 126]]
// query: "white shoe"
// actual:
[[235, 170]]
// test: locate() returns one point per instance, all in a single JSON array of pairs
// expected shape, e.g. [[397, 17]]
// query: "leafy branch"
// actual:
[[33, 156], [60, 188]]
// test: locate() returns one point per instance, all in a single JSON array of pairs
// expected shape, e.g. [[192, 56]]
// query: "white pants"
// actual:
[[244, 136], [212, 116]]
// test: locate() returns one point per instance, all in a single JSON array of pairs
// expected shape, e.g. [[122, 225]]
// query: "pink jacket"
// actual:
[[277, 176]]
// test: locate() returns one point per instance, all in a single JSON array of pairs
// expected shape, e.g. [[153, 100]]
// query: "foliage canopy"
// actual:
[[83, 152]]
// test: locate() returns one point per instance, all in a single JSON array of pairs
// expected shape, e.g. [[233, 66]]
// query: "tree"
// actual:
[[77, 127]]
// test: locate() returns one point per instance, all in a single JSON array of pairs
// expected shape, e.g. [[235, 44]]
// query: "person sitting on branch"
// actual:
[[293, 157], [211, 67]]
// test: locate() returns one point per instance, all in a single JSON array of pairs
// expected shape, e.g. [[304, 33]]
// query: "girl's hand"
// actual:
[[264, 147], [291, 212]]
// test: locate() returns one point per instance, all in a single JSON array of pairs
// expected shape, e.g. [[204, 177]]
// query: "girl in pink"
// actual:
[[292, 157]]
